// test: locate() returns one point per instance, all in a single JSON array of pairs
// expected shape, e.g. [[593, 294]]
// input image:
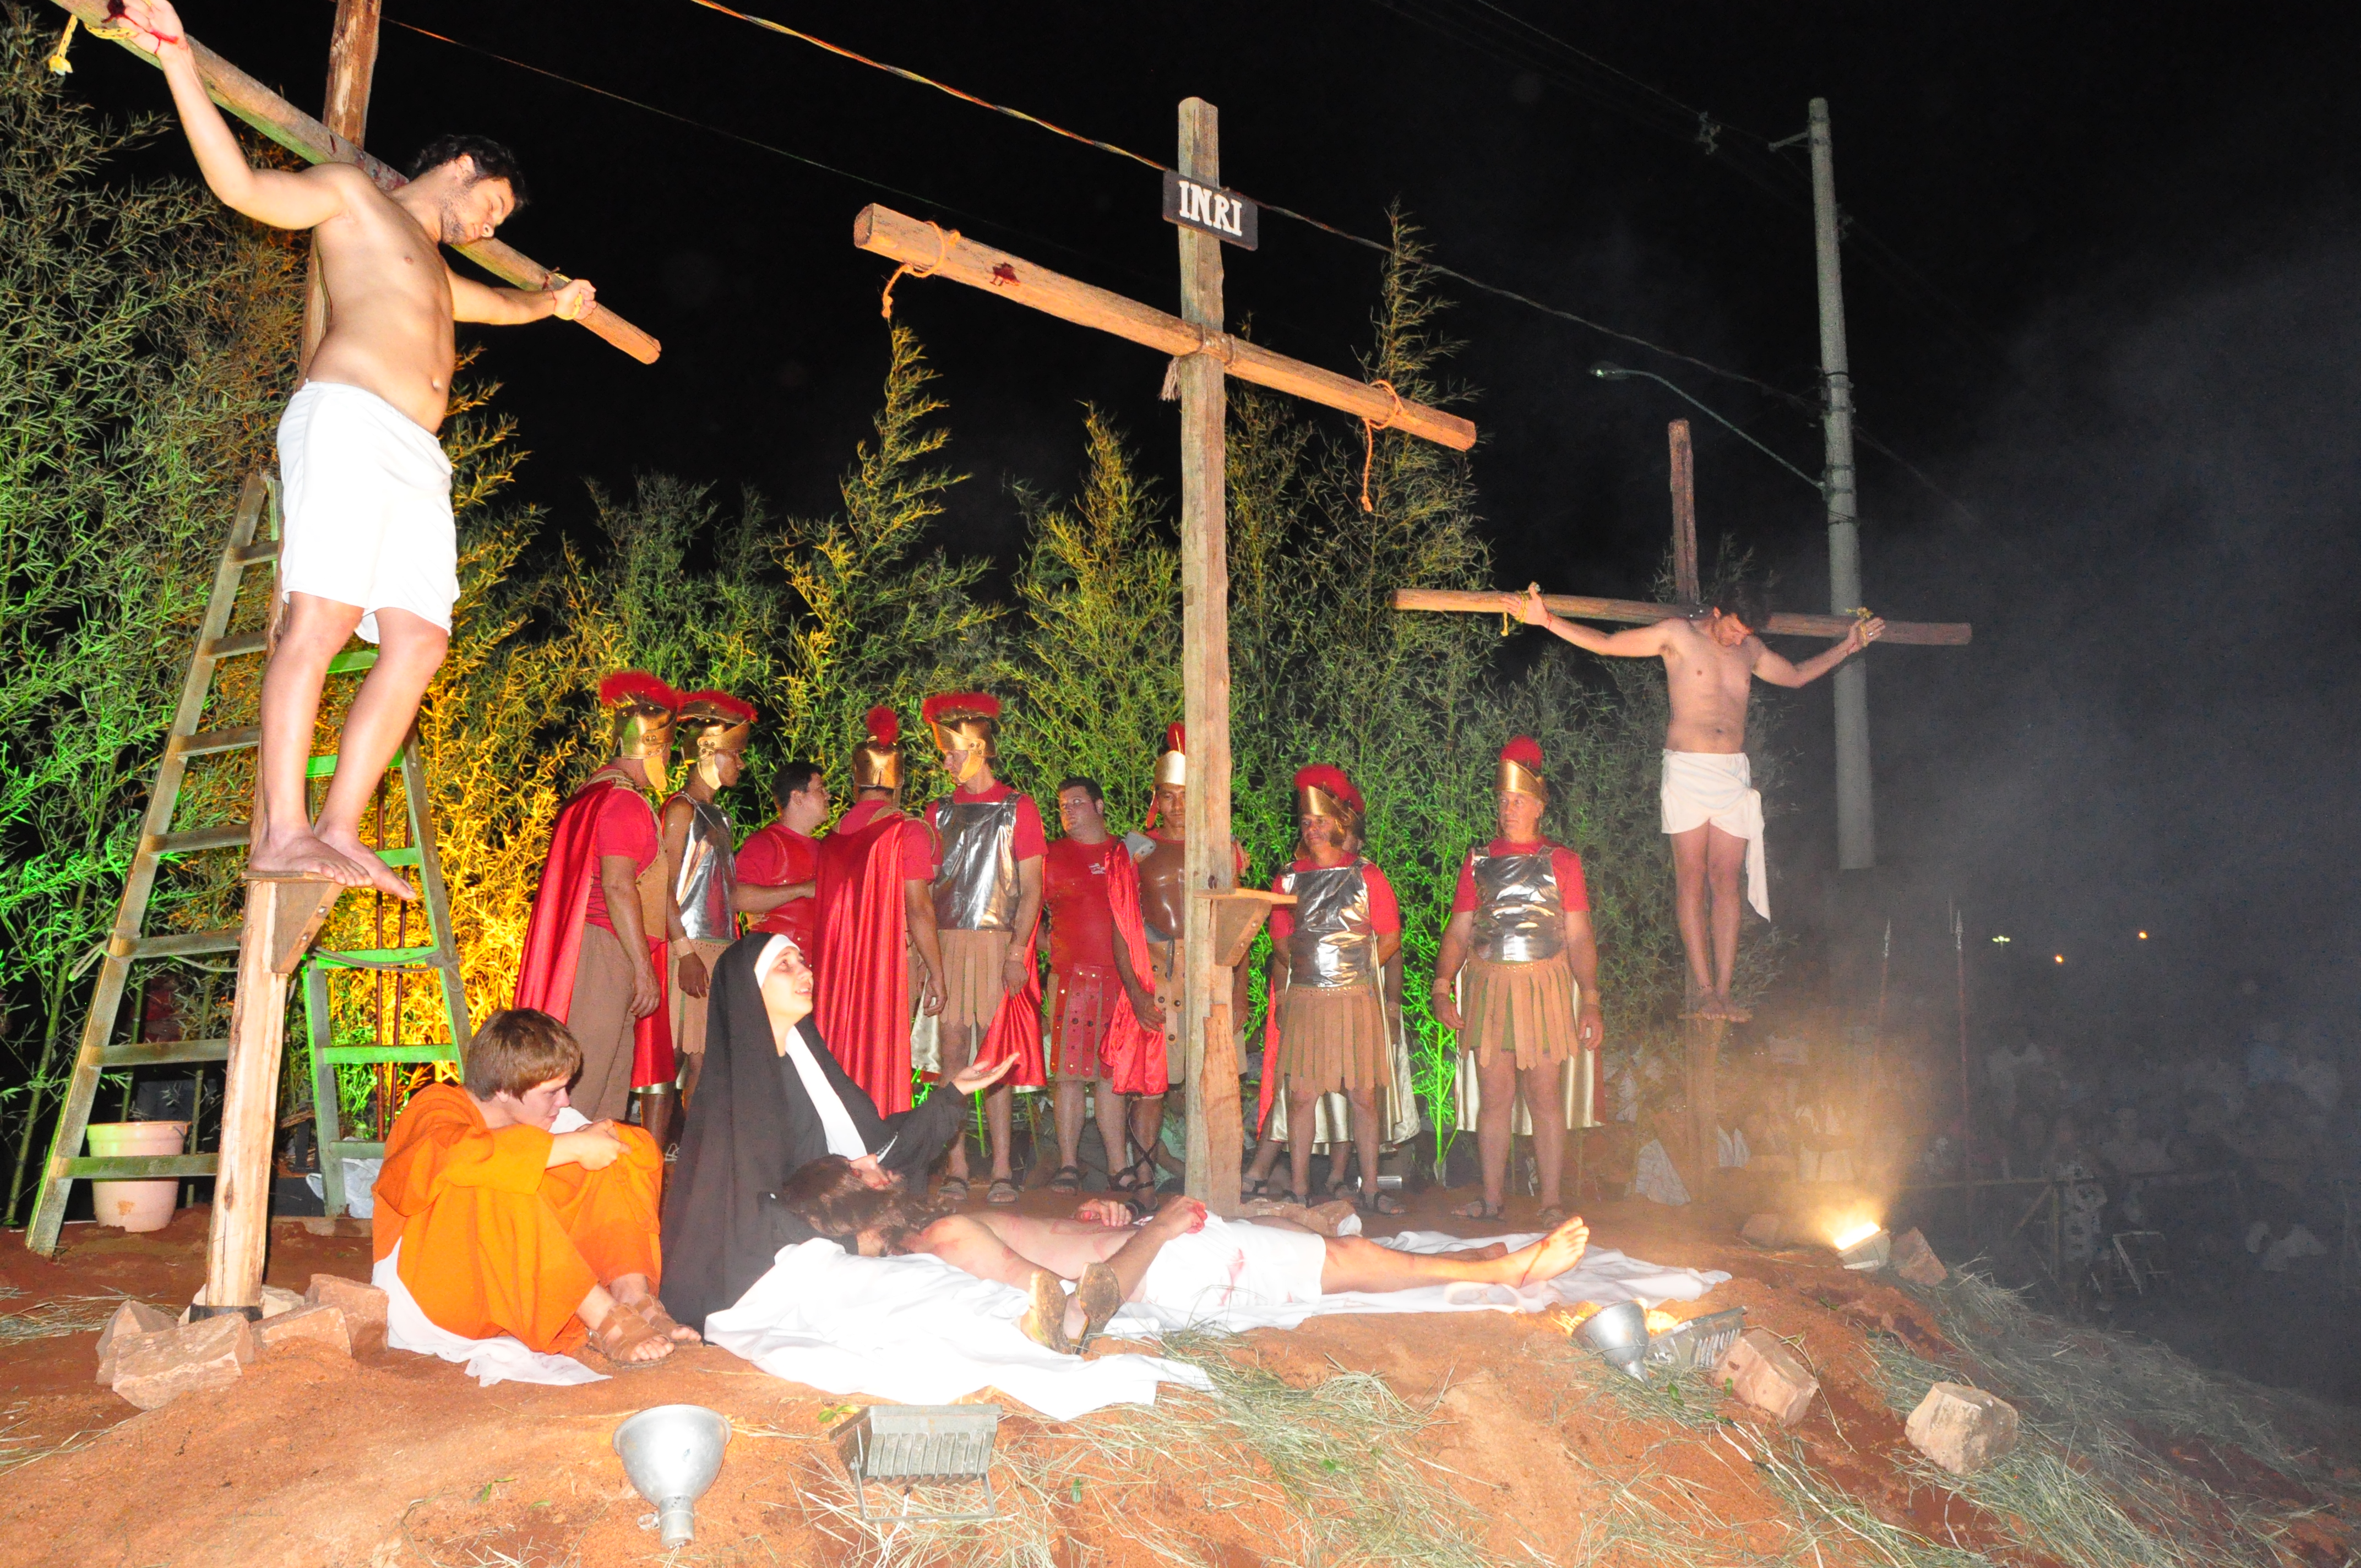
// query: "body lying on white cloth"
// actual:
[[917, 1331]]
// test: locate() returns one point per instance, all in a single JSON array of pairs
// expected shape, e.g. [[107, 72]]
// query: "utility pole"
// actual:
[[1856, 812]]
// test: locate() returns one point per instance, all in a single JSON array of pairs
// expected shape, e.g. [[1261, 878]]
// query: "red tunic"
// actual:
[[561, 908], [777, 856]]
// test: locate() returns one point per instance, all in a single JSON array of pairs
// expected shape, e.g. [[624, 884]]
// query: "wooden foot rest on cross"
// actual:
[[288, 913], [1238, 913]]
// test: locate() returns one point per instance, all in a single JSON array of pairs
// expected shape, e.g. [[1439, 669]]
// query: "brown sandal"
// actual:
[[1044, 1322], [1101, 1294], [623, 1331], [664, 1323]]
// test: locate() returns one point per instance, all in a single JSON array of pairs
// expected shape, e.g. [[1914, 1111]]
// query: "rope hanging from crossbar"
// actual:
[[1370, 429], [943, 243], [58, 64]]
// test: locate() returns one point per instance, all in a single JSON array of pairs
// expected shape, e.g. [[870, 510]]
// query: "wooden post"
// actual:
[[281, 918], [1685, 549], [352, 65], [1208, 1047]]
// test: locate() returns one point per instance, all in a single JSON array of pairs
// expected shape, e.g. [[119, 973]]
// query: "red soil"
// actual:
[[391, 1459]]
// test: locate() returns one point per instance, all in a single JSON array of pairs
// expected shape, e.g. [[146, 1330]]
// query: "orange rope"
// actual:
[[943, 243], [1370, 429]]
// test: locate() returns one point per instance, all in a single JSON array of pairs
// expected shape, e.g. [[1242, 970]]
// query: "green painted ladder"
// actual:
[[251, 543]]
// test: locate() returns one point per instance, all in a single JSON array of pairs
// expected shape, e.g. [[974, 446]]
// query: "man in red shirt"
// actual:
[[875, 907], [1329, 952], [778, 865], [1521, 948], [1100, 1009], [594, 950], [987, 899]]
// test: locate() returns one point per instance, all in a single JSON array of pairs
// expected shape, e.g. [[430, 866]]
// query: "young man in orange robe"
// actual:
[[508, 1228]]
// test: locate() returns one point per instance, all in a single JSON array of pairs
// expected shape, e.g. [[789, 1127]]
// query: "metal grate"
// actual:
[[1699, 1343], [910, 1447]]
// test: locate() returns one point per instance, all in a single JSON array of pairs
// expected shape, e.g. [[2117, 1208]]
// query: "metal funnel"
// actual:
[[671, 1453], [1620, 1332]]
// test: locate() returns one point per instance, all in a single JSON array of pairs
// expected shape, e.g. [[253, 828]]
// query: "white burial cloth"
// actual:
[[1719, 787]]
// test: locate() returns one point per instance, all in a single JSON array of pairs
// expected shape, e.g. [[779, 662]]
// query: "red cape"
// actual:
[[552, 939], [1132, 1053], [1016, 1031], [861, 972]]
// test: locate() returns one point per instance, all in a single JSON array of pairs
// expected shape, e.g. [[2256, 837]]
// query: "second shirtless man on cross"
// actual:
[[369, 543], [1711, 808]]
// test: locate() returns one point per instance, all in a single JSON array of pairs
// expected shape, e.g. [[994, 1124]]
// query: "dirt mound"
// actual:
[[1457, 1439]]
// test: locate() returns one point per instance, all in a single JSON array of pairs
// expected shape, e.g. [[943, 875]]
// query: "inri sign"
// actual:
[[1228, 217]]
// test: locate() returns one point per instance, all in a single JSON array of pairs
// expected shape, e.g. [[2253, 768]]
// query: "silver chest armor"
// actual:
[[1331, 945], [708, 874], [1520, 910], [976, 889]]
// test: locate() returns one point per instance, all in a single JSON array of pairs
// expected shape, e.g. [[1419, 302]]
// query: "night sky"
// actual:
[[2100, 290]]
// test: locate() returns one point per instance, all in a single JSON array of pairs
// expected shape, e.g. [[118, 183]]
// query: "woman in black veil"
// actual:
[[770, 1099]]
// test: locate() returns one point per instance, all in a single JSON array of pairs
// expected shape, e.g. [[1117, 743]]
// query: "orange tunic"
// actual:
[[494, 1241]]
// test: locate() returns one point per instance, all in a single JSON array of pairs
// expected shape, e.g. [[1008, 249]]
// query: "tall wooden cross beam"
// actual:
[[1222, 918], [241, 95]]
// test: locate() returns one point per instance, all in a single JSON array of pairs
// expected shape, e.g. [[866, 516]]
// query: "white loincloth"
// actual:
[[366, 498], [1718, 787], [1231, 1264]]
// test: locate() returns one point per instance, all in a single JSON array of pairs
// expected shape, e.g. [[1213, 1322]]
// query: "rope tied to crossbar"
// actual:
[[58, 64], [1369, 428], [1220, 345], [944, 240]]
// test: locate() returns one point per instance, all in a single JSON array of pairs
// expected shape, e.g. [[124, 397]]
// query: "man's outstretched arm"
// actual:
[[1776, 669], [282, 198], [1634, 643], [474, 301]]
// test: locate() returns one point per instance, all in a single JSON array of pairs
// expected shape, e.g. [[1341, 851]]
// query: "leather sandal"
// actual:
[[1382, 1202], [1068, 1179], [1101, 1294], [1476, 1208], [1044, 1322], [1001, 1193], [954, 1190], [622, 1331], [664, 1323]]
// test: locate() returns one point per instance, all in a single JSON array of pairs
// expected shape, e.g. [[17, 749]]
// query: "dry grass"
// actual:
[[58, 1315]]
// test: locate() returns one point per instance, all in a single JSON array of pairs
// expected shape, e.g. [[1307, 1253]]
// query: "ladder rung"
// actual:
[[134, 1167], [358, 658], [229, 836], [159, 1053], [335, 1149], [207, 742], [419, 957], [185, 945], [401, 855], [325, 765], [232, 646], [357, 1055], [254, 555]]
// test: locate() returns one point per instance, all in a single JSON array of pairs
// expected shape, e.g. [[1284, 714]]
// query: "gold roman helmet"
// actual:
[[965, 722], [713, 724], [1172, 767], [1521, 769], [877, 762], [641, 709], [1325, 791]]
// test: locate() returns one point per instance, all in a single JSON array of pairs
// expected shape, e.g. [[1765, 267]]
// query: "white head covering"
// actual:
[[843, 1137]]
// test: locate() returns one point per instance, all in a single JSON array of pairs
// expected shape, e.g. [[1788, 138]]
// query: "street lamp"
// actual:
[[1607, 372]]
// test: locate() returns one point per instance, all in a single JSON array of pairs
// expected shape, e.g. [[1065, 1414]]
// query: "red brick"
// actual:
[[1962, 1428], [1916, 1261], [1763, 1230], [364, 1305], [131, 1319], [155, 1369], [324, 1324], [1765, 1372]]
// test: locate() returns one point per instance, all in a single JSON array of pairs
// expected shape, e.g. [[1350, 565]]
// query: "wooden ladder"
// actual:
[[280, 921]]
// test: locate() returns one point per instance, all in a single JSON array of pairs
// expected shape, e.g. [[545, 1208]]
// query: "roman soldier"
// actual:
[[594, 950], [1329, 954], [875, 910], [700, 844], [1105, 1033], [1160, 850], [1518, 978], [778, 865], [987, 898]]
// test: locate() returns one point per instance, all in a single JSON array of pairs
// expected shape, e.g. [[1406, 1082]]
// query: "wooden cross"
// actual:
[[1222, 918], [1704, 1035], [1637, 613]]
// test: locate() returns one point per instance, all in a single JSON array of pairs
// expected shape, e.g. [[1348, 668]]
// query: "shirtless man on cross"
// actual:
[[1710, 807], [370, 544]]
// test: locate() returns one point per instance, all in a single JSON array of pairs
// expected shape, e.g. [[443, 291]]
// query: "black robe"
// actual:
[[750, 1125]]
